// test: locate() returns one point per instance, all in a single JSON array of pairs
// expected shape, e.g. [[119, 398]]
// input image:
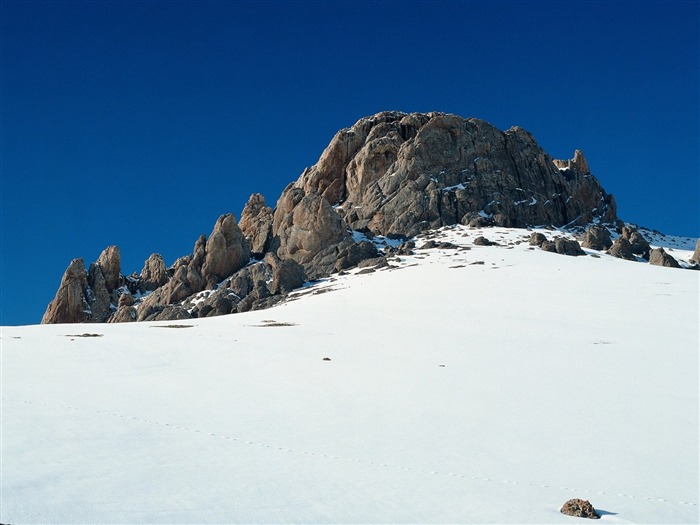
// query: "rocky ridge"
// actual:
[[390, 176]]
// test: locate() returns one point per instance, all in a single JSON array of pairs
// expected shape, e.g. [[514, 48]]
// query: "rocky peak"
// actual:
[[399, 174], [395, 174], [578, 163]]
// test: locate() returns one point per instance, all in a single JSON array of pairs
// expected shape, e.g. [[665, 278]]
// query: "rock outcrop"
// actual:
[[256, 224], [69, 305], [226, 251], [154, 274], [399, 174], [392, 174], [307, 230]]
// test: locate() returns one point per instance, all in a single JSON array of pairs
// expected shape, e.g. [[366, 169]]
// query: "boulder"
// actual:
[[596, 238], [483, 241], [549, 246], [354, 253], [580, 508], [568, 247], [70, 304], [287, 275], [621, 248], [377, 262], [536, 239], [638, 244], [256, 224], [659, 257]]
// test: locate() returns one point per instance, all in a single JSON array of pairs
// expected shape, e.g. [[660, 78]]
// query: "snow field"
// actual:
[[456, 393]]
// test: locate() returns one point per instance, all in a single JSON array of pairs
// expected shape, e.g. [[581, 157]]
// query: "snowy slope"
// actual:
[[479, 385]]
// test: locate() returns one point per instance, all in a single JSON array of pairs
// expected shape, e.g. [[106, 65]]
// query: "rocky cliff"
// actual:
[[391, 174]]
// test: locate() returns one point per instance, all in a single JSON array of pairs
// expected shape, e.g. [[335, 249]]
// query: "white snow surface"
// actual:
[[480, 385]]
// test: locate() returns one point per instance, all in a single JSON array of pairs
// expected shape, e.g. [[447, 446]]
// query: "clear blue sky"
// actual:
[[139, 123]]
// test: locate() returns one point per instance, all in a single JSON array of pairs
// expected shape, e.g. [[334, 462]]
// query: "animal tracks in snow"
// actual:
[[351, 460]]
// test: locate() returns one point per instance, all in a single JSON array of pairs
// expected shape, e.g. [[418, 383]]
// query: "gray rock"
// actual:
[[377, 262], [568, 247], [483, 241], [169, 313], [579, 508], [98, 296], [596, 238], [256, 224], [659, 257], [536, 239], [621, 248], [351, 256], [287, 275], [638, 244], [549, 246]]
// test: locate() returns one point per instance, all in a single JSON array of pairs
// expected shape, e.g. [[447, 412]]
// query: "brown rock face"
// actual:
[[109, 262], [308, 230], [399, 174], [154, 273], [580, 508], [256, 224], [69, 305]]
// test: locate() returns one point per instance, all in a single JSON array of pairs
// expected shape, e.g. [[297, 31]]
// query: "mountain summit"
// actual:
[[392, 175]]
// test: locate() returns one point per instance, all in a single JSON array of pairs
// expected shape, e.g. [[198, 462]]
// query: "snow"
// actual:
[[455, 393]]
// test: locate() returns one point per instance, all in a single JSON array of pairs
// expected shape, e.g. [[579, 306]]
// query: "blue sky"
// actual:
[[139, 123]]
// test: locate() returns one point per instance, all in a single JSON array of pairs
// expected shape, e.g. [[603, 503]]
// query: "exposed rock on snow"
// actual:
[[580, 508], [659, 257], [622, 249], [568, 247], [596, 238], [390, 176], [638, 244], [537, 238]]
